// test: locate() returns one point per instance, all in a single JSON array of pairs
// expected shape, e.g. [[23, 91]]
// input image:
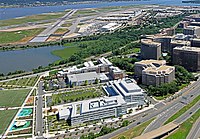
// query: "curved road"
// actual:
[[195, 131]]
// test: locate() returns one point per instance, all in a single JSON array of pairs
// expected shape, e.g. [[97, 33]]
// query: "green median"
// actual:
[[183, 110], [185, 127]]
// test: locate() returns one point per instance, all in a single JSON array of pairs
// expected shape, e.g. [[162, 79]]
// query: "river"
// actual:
[[32, 58], [7, 13], [27, 59]]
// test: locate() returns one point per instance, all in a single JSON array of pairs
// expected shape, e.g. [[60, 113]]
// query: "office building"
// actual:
[[150, 49], [165, 42], [141, 65], [178, 43], [192, 30], [89, 77], [122, 95], [116, 73], [188, 57], [195, 42], [158, 75]]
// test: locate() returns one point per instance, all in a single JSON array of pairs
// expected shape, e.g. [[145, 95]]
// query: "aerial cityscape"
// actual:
[[111, 69]]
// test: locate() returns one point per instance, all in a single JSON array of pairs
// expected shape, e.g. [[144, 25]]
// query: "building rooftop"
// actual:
[[180, 42], [83, 76], [150, 42], [185, 48], [95, 104], [115, 69], [151, 63], [104, 61], [160, 70]]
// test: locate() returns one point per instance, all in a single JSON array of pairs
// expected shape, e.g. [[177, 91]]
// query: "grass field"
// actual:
[[66, 52], [185, 128], [19, 82], [61, 31], [66, 25], [75, 96], [85, 12], [183, 110], [6, 117], [32, 18], [12, 98], [134, 132], [19, 36]]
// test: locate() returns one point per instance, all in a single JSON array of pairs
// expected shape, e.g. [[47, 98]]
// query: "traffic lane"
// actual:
[[188, 113], [39, 105], [161, 118], [195, 131]]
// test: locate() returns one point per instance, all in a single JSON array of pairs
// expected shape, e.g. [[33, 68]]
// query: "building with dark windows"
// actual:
[[188, 57], [150, 49]]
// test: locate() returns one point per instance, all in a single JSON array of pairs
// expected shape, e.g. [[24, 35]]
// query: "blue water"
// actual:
[[111, 91], [25, 112], [27, 59], [7, 13]]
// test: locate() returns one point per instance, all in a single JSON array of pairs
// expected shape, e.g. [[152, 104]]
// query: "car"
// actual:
[[138, 123], [190, 112]]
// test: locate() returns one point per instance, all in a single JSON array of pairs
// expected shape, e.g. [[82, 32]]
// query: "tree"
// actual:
[[96, 81], [125, 123], [86, 82]]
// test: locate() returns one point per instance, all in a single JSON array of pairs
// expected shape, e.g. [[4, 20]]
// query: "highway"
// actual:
[[163, 117], [39, 105], [191, 90], [195, 131]]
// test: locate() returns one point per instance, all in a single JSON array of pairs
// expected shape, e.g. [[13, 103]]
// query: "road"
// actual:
[[195, 131], [164, 116], [191, 90], [39, 105]]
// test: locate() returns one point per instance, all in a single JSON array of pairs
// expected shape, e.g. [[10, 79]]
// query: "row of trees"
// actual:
[[125, 63]]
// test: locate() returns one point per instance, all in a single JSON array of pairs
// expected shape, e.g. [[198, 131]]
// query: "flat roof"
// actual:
[[180, 42], [185, 48], [83, 76], [147, 62], [95, 104], [159, 70], [150, 42]]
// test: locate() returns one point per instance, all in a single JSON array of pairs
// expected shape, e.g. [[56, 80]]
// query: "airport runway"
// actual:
[[43, 36]]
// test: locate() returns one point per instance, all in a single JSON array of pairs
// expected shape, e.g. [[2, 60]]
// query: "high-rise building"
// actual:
[[178, 43], [188, 57], [150, 49]]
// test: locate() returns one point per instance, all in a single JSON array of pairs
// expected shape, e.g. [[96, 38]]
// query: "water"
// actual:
[[7, 13], [27, 59]]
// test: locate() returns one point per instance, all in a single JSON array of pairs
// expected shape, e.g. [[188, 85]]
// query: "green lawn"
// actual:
[[19, 82], [85, 12], [6, 117], [185, 128], [75, 96], [32, 18], [61, 31], [12, 98], [66, 52], [18, 36], [134, 132], [66, 24], [183, 110]]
